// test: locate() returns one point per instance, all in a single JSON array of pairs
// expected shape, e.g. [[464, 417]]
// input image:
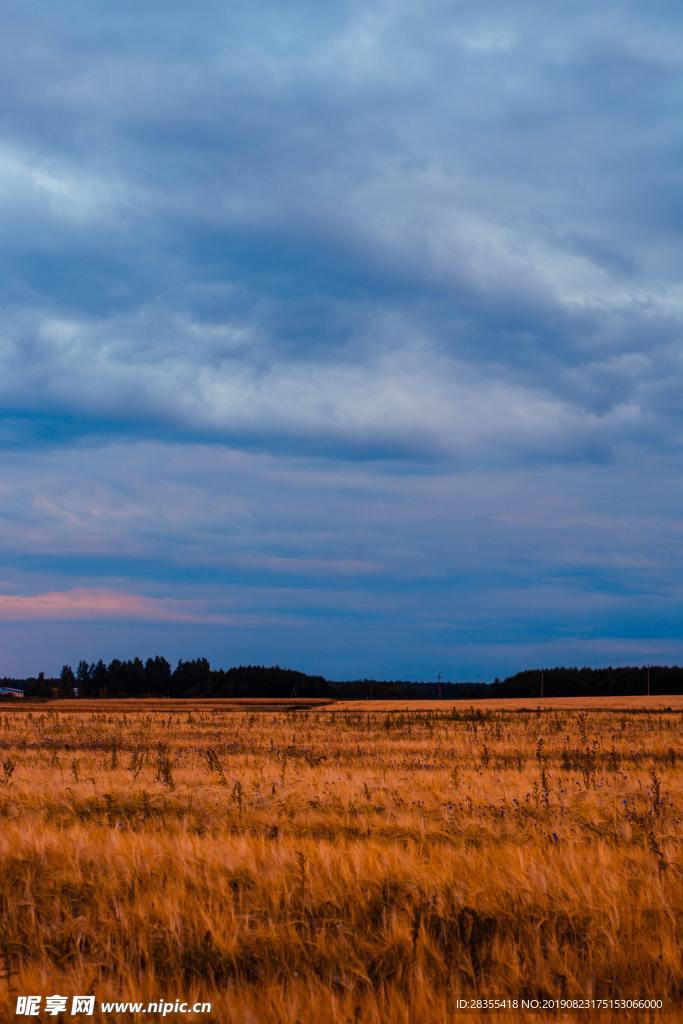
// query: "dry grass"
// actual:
[[169, 704], [373, 867], [671, 702]]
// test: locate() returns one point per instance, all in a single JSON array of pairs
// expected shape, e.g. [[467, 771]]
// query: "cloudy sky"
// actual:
[[344, 336]]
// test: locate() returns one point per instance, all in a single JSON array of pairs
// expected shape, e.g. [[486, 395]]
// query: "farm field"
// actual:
[[171, 705], [651, 703], [361, 861]]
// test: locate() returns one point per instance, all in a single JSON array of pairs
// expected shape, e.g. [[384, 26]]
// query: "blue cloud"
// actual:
[[362, 314]]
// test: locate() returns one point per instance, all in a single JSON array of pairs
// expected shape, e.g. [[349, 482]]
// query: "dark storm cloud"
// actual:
[[474, 180]]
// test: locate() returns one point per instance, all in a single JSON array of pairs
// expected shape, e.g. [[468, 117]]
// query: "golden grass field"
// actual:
[[653, 703], [361, 862]]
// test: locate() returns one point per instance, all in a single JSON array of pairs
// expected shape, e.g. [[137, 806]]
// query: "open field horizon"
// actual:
[[341, 868], [170, 704], [653, 702], [626, 703]]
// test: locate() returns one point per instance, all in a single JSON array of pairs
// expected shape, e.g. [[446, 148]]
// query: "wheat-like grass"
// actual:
[[354, 866]]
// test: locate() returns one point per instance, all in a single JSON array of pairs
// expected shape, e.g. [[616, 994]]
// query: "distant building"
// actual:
[[10, 691]]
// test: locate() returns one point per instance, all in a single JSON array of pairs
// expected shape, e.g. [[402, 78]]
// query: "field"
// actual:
[[361, 862], [654, 703]]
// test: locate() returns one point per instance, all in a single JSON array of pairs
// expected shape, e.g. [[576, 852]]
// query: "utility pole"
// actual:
[[648, 680], [439, 678], [542, 681]]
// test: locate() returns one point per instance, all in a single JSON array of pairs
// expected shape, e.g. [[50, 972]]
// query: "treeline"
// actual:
[[554, 682], [156, 678], [626, 681]]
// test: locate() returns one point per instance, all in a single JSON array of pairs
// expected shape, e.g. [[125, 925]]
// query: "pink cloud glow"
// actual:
[[82, 603]]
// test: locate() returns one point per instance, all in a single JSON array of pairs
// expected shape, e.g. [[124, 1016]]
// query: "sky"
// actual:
[[342, 336]]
